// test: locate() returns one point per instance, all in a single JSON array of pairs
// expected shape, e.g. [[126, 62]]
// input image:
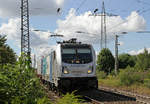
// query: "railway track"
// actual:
[[50, 94], [140, 99], [96, 96], [105, 95]]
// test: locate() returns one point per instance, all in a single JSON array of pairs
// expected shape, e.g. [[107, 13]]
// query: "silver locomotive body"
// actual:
[[70, 65]]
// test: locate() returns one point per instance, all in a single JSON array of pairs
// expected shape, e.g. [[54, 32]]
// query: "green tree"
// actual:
[[7, 55], [105, 61], [143, 60], [2, 40], [126, 60]]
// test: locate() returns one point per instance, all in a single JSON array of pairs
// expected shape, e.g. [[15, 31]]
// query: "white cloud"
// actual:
[[11, 29], [92, 24], [59, 2], [138, 52], [132, 53], [121, 43], [13, 32], [38, 40], [11, 8]]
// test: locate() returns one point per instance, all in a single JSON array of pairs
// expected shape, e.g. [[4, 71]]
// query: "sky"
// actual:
[[131, 16]]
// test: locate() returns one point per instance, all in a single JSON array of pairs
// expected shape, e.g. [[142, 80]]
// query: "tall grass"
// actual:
[[69, 99], [101, 74], [130, 76]]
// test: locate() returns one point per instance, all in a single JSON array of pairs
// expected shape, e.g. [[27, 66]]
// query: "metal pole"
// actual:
[[103, 27], [25, 36], [101, 44], [105, 34], [103, 40], [116, 54]]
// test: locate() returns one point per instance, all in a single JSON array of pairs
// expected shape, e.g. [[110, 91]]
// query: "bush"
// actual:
[[69, 99], [19, 85], [143, 60], [113, 73], [148, 75], [147, 82], [129, 76], [101, 74], [44, 100], [126, 60]]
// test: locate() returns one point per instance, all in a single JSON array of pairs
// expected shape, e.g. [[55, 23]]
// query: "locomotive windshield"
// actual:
[[76, 55]]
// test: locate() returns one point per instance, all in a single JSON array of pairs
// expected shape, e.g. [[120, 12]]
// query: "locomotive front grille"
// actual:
[[77, 72]]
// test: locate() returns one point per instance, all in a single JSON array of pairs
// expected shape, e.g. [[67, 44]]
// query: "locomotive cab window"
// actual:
[[68, 51], [76, 55]]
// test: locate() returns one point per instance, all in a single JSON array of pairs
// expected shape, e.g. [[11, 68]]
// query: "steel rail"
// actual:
[[139, 98]]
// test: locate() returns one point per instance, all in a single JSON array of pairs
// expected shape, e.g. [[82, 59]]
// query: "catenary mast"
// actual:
[[25, 37]]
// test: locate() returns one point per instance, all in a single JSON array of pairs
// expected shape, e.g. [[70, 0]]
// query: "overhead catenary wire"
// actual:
[[79, 7], [143, 2], [82, 3], [139, 11]]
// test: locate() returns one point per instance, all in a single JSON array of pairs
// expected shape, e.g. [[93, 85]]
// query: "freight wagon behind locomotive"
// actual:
[[71, 64]]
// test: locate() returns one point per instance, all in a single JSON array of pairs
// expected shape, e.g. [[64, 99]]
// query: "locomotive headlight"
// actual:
[[65, 70], [90, 70]]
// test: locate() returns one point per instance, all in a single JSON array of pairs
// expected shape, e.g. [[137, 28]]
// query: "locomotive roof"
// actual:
[[72, 42], [70, 45]]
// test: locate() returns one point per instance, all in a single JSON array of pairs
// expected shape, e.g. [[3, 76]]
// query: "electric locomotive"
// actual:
[[70, 65]]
